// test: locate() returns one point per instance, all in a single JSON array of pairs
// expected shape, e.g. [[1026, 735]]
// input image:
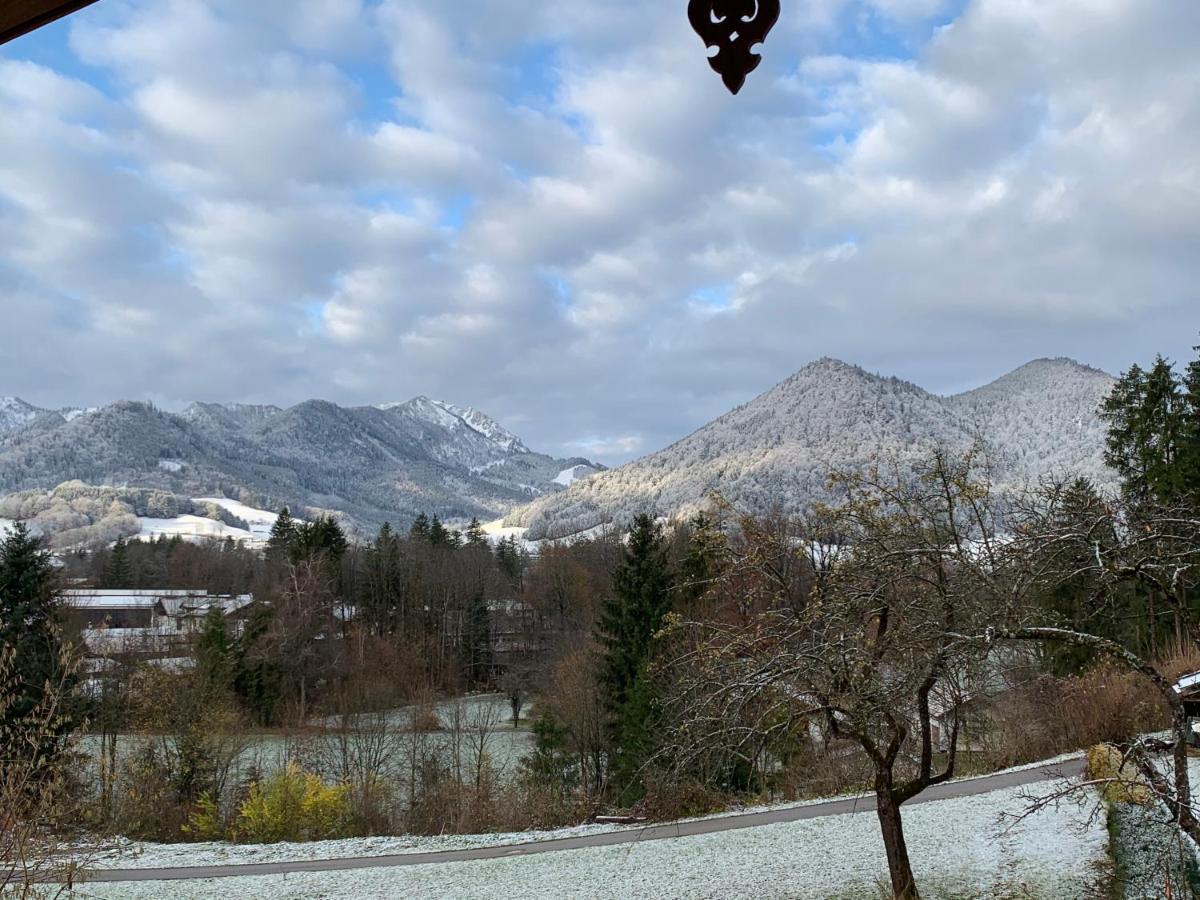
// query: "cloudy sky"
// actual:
[[552, 209]]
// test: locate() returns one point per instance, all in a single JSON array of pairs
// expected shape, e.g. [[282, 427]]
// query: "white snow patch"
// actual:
[[171, 465], [192, 528], [568, 477], [199, 528], [5, 526], [959, 848], [261, 521]]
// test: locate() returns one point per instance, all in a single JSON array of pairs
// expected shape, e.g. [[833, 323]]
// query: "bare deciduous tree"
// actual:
[[32, 789], [870, 653]]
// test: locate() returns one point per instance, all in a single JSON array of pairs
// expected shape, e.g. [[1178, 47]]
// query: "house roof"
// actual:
[[1188, 683], [173, 603], [111, 600]]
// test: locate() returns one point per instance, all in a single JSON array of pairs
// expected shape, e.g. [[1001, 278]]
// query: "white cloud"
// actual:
[[517, 210]]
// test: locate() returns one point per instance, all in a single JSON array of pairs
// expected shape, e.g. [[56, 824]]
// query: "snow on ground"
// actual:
[[198, 528], [568, 477], [192, 528], [960, 848], [5, 524], [125, 854], [260, 520], [496, 531]]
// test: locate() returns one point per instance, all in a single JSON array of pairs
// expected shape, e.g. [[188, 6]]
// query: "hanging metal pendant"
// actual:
[[734, 27]]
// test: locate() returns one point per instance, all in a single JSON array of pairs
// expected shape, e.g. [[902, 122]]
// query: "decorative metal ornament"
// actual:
[[734, 27]]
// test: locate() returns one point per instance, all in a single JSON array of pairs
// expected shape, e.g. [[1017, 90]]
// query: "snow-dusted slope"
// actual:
[[374, 464], [1042, 418], [16, 413], [780, 448]]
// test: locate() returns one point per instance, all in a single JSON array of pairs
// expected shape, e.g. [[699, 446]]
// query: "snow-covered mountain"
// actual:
[[16, 413], [372, 463], [780, 448]]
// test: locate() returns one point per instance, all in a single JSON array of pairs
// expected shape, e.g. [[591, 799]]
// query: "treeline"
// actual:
[[428, 610]]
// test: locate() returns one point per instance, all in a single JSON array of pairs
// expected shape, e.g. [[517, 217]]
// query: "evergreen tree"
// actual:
[[629, 619], [551, 765], [257, 679], [31, 629], [1079, 602], [1191, 428], [1147, 417], [439, 536], [118, 573], [477, 640], [510, 561], [214, 651], [382, 598], [476, 536], [420, 528], [321, 538], [282, 533]]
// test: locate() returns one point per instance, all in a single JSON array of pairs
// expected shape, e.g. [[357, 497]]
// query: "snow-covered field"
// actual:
[[197, 528], [126, 854], [5, 524], [260, 520], [194, 528], [960, 848]]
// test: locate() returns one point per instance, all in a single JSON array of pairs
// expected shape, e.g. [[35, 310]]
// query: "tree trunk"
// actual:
[[904, 885]]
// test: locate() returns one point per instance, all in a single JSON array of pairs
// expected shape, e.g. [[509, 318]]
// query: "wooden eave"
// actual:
[[19, 17]]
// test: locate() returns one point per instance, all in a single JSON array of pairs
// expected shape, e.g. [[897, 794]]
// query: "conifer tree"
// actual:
[[118, 574], [31, 629], [383, 590], [509, 561], [1147, 416], [630, 617], [321, 538], [438, 535], [476, 536], [1191, 429], [214, 651], [477, 640], [420, 528], [282, 534], [1077, 602]]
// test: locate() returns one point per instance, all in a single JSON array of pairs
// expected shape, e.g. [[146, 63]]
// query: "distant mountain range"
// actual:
[[390, 462], [779, 449], [373, 464]]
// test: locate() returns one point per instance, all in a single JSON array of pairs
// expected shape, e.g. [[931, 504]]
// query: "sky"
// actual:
[[553, 210]]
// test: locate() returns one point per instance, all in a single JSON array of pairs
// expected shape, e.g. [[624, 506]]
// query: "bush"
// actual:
[[146, 807], [205, 822], [670, 799], [1124, 785], [1051, 715], [293, 805]]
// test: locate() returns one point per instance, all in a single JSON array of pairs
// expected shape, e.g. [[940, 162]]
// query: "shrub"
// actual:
[[670, 798], [1124, 785], [293, 805], [205, 822]]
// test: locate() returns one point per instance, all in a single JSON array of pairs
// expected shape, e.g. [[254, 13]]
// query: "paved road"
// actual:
[[965, 788]]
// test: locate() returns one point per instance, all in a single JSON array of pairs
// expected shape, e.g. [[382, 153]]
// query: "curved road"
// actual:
[[964, 788]]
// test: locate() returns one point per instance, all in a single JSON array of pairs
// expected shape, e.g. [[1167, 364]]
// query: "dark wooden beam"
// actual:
[[18, 17]]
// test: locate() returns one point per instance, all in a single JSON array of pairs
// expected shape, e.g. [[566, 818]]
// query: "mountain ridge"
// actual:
[[780, 447], [373, 464]]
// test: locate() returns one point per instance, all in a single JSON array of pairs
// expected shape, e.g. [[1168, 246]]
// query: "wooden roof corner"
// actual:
[[19, 17]]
